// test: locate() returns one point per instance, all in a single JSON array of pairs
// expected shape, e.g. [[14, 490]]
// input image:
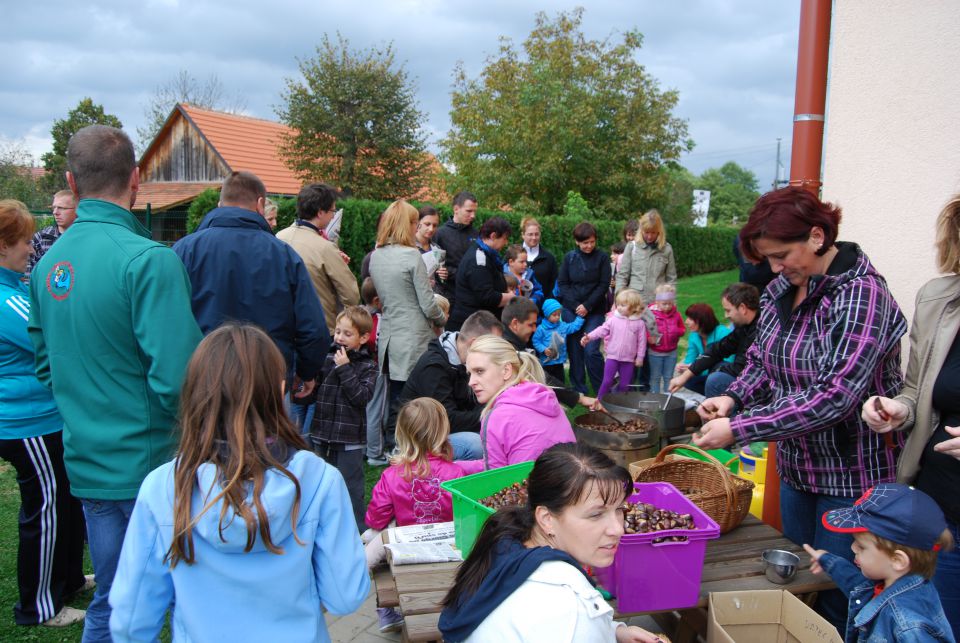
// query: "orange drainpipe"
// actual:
[[808, 119]]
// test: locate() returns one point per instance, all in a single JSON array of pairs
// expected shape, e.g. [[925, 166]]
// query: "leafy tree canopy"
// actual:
[[16, 181], [85, 113], [357, 122], [566, 114], [184, 88], [733, 191]]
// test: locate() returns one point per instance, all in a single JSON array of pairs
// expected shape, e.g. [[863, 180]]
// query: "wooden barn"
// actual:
[[196, 149]]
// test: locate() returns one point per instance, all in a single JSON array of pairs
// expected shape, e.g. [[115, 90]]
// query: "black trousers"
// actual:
[[50, 554], [350, 465]]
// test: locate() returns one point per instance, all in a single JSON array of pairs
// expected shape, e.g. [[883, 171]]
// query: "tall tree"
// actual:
[[85, 113], [184, 88], [356, 121], [733, 191], [567, 114]]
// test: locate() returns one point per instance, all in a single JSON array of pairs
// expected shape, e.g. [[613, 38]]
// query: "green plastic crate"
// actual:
[[722, 455], [468, 514]]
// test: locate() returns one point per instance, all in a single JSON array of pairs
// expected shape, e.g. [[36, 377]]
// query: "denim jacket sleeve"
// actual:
[[845, 574]]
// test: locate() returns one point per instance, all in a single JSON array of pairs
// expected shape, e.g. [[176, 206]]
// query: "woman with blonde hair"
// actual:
[[648, 261], [539, 259], [928, 407], [522, 416], [409, 312]]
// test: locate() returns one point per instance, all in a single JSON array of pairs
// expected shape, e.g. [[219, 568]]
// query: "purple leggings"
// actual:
[[610, 368]]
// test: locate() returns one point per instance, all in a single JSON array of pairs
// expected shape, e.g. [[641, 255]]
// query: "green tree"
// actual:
[[16, 182], [357, 124], [733, 191], [184, 88], [567, 114], [85, 113], [676, 202]]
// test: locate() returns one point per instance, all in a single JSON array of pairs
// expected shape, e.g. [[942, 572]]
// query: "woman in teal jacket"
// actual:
[[704, 329], [50, 559]]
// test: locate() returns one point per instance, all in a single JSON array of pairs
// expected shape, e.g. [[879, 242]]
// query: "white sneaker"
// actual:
[[66, 616]]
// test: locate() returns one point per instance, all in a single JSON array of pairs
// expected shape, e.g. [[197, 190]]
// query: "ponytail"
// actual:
[[530, 369], [514, 523]]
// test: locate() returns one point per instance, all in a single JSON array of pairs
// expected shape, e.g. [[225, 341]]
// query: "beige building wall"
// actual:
[[892, 144]]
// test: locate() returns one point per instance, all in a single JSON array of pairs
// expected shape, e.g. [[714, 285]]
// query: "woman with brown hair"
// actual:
[[928, 407], [50, 550], [248, 532]]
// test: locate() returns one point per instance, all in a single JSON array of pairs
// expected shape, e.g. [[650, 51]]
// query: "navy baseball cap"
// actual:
[[897, 512]]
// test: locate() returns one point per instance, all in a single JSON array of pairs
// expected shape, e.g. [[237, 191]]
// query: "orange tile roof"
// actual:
[[166, 194], [247, 143]]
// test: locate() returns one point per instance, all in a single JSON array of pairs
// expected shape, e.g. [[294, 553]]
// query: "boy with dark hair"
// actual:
[[897, 532], [345, 387]]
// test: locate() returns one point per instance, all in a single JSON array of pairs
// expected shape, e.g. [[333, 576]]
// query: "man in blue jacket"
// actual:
[[240, 271]]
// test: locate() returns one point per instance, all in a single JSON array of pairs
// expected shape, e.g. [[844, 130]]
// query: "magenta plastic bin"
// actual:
[[647, 576]]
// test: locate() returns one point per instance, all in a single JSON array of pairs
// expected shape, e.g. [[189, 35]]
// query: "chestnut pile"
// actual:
[[643, 518], [635, 425], [515, 494]]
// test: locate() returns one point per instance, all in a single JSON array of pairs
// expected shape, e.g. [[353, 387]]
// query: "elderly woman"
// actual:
[[50, 553], [524, 580], [522, 415], [928, 407], [828, 337], [409, 311]]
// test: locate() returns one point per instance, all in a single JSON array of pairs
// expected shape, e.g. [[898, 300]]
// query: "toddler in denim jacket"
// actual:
[[897, 531]]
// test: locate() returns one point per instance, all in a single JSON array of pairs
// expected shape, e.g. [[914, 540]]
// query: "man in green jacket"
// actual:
[[113, 330]]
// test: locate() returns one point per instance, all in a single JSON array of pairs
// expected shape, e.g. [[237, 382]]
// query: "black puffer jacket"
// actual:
[[480, 285], [585, 279]]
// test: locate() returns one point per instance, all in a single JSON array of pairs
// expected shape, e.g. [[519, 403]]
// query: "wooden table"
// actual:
[[731, 563]]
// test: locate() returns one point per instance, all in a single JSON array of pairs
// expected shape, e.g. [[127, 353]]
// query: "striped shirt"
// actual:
[[810, 370]]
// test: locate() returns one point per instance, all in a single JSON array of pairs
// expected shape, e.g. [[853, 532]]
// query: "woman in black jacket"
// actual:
[[583, 282]]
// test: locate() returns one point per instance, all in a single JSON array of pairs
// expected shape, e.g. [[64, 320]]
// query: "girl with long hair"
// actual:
[[524, 580], [246, 530]]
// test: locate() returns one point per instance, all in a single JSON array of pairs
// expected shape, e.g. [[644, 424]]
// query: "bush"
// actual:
[[697, 250]]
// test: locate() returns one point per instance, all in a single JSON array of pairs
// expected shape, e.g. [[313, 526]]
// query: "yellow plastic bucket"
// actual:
[[752, 467]]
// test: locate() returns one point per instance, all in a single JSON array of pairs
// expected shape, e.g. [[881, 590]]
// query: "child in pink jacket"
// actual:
[[408, 491], [663, 351], [625, 340]]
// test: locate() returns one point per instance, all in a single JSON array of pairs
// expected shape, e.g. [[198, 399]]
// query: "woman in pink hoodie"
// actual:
[[625, 340], [522, 417]]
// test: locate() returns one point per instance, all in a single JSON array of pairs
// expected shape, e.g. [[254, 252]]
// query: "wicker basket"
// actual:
[[709, 485]]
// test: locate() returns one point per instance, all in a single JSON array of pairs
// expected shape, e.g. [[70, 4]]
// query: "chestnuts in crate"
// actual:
[[514, 495], [643, 518]]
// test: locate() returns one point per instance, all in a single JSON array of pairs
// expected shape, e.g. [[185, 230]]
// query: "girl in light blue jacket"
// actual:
[[246, 531]]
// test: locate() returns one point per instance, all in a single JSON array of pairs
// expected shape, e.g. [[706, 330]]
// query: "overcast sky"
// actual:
[[733, 62]]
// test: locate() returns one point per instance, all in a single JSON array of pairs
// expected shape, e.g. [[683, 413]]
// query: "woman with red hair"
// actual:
[[828, 337]]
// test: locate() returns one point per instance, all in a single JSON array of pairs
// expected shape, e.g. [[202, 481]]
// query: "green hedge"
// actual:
[[697, 250]]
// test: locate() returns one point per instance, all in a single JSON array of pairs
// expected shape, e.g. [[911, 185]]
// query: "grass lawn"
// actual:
[[706, 288]]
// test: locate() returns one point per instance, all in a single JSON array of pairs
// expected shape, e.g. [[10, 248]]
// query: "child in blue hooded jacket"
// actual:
[[553, 355], [249, 533]]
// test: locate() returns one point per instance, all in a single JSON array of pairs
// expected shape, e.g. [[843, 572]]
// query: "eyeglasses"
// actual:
[[61, 208]]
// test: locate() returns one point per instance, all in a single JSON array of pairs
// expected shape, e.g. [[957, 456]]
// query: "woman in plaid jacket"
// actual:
[[828, 338]]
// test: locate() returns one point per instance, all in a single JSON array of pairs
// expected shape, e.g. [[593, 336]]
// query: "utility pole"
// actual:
[[776, 171]]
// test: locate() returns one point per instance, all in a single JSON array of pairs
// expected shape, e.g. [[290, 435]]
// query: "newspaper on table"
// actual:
[[433, 259], [415, 544]]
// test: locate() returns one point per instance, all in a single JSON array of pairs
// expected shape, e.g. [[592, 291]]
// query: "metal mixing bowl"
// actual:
[[780, 566]]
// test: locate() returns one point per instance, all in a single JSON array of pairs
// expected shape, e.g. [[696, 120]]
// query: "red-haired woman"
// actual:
[[828, 338]]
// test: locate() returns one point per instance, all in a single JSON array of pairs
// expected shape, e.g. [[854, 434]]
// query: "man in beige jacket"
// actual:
[[335, 284]]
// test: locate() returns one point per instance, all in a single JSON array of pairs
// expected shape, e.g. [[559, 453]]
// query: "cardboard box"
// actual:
[[765, 616]]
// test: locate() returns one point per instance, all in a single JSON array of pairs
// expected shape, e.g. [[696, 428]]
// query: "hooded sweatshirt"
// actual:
[[526, 419], [232, 595], [528, 594], [625, 338]]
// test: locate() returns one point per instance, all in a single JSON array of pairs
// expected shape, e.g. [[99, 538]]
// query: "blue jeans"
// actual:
[[106, 526], [302, 416], [662, 366], [467, 445], [717, 383], [801, 513], [586, 357], [947, 581]]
